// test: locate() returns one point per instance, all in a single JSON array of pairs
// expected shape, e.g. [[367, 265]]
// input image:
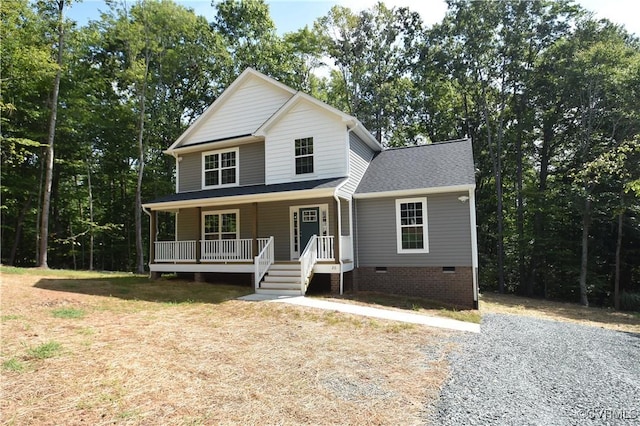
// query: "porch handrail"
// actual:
[[175, 251], [308, 259], [263, 260], [326, 248], [225, 250]]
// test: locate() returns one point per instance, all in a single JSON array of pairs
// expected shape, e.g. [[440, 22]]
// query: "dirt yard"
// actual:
[[110, 349]]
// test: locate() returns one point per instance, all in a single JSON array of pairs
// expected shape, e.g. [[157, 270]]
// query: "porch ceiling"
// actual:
[[246, 194]]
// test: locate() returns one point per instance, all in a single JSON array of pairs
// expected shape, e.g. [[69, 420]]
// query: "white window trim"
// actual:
[[295, 157], [425, 225], [323, 208], [220, 212], [220, 152]]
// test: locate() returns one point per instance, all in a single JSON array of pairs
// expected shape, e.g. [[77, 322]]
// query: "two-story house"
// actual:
[[275, 184]]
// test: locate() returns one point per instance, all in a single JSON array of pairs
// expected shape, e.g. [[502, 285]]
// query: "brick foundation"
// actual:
[[452, 288], [335, 283]]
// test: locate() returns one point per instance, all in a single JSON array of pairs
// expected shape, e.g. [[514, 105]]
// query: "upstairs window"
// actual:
[[304, 156], [220, 168], [411, 225]]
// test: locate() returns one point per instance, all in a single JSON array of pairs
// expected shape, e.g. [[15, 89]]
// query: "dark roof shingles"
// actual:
[[425, 166], [249, 190]]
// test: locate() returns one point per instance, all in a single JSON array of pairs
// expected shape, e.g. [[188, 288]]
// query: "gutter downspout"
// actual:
[[178, 158], [474, 244], [339, 215]]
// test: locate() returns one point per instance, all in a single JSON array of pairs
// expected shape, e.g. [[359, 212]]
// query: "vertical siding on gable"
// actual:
[[329, 138], [448, 226], [242, 113], [360, 156], [251, 167]]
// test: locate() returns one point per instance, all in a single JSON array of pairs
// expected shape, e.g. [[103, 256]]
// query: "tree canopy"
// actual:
[[548, 94]]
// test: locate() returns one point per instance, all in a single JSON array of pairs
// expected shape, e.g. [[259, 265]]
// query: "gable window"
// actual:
[[304, 156], [220, 168], [220, 225], [411, 225]]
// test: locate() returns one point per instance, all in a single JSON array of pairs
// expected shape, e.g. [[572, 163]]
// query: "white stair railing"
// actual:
[[263, 260], [325, 248], [308, 259]]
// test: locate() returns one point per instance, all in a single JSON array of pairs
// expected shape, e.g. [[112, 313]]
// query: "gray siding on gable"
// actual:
[[448, 232], [251, 167], [360, 155]]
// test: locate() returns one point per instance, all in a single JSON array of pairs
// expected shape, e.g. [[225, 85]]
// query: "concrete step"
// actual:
[[284, 272], [281, 279], [278, 292], [285, 266], [280, 285]]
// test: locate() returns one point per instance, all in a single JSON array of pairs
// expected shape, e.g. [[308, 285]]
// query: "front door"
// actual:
[[309, 225]]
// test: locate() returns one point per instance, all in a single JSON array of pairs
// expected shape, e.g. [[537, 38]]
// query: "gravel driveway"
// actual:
[[528, 371]]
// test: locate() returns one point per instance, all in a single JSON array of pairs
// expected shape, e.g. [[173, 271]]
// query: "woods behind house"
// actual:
[[548, 94]]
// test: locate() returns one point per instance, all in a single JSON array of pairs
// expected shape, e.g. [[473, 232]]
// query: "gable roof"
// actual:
[[442, 164], [244, 77], [349, 120], [278, 111]]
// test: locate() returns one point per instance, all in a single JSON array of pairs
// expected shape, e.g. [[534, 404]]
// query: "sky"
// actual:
[[291, 15]]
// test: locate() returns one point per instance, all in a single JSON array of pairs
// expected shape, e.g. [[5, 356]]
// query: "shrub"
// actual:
[[630, 301]]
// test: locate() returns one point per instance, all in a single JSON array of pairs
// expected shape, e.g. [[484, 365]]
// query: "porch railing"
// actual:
[[175, 251], [226, 250], [308, 259], [264, 259], [326, 248]]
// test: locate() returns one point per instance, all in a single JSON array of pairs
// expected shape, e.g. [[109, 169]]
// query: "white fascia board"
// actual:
[[416, 191], [364, 134], [242, 199], [207, 146]]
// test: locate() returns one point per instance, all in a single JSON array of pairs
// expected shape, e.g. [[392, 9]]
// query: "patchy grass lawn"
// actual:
[[120, 349], [416, 305], [560, 311]]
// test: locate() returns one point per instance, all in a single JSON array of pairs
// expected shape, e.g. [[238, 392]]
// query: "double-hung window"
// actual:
[[304, 156], [411, 225], [220, 168], [220, 225]]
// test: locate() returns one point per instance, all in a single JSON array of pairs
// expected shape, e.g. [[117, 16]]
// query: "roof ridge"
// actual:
[[428, 144]]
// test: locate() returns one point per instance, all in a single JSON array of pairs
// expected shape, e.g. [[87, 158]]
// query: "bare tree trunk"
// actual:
[[46, 202], [91, 236], [18, 235], [586, 220], [138, 214], [616, 285]]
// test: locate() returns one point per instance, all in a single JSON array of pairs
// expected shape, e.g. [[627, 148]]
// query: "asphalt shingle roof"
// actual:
[[249, 190], [424, 166]]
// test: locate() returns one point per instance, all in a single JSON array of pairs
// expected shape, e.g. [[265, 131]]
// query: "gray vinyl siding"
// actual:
[[360, 156], [187, 225], [448, 233], [251, 163], [344, 213]]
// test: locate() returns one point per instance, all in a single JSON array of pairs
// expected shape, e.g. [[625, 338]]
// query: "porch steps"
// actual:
[[282, 279]]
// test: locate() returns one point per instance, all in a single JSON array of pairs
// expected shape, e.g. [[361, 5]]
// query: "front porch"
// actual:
[[252, 256]]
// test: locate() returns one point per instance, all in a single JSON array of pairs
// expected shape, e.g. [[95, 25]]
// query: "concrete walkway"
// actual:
[[366, 311]]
